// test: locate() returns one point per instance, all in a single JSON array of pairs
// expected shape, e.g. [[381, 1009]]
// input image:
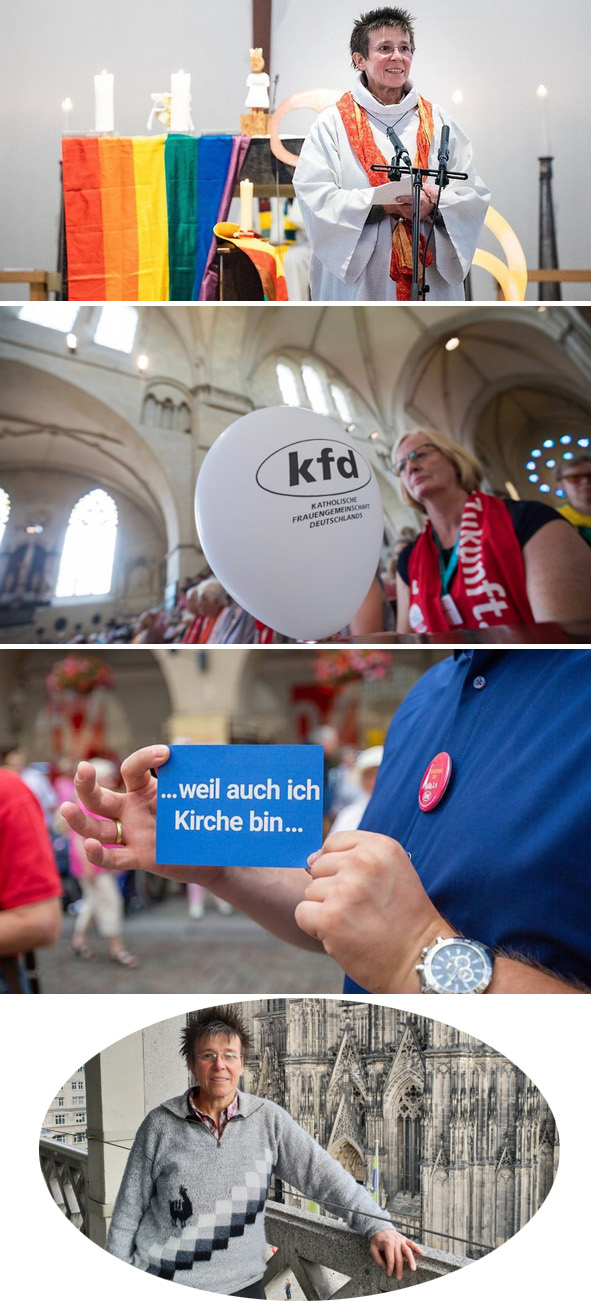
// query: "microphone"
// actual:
[[397, 144], [443, 157]]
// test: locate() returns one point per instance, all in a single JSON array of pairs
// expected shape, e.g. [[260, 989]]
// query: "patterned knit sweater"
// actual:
[[191, 1207]]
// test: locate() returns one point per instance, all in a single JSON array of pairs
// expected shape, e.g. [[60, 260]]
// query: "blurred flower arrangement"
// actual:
[[76, 705], [79, 674], [336, 668]]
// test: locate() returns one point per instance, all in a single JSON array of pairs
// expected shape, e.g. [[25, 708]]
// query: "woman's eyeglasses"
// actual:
[[213, 1057], [416, 457]]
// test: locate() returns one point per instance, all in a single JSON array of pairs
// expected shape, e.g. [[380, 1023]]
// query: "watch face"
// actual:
[[460, 968]]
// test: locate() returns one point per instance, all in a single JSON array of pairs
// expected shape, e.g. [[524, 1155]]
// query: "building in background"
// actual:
[[467, 1146], [65, 1121]]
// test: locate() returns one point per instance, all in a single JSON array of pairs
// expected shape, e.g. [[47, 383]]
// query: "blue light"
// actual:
[[560, 492], [583, 442], [536, 452], [531, 465], [534, 478], [569, 456], [545, 487], [548, 442], [550, 464], [566, 438]]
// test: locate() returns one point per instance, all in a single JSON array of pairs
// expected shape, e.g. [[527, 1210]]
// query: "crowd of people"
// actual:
[[205, 614], [479, 561]]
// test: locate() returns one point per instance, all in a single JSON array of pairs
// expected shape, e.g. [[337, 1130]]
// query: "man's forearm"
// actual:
[[269, 895], [30, 926], [513, 976]]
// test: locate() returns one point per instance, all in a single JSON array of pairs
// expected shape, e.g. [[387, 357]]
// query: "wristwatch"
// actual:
[[455, 966]]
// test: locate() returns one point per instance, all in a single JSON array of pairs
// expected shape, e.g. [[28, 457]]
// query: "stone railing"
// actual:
[[312, 1249], [65, 1170], [327, 1259]]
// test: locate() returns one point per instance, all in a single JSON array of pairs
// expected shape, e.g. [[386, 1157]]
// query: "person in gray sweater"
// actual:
[[192, 1200]]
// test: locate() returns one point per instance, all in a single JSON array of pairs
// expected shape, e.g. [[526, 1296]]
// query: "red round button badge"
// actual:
[[435, 782]]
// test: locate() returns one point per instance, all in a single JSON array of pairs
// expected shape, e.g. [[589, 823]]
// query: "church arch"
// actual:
[[346, 1152], [515, 418], [450, 390], [82, 435], [137, 706]]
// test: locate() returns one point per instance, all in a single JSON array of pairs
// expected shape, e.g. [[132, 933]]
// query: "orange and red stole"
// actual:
[[363, 144]]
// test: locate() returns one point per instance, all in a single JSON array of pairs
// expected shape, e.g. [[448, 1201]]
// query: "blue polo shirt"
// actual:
[[506, 855]]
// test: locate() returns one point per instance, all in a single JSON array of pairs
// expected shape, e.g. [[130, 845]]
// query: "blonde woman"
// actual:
[[481, 561]]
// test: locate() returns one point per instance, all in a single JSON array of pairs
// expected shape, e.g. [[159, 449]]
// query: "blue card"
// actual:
[[240, 805]]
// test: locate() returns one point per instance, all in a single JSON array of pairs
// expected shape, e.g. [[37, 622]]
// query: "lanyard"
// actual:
[[446, 572]]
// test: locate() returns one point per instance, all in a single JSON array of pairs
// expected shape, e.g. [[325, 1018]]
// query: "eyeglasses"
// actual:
[[388, 47], [213, 1057], [417, 456], [577, 478]]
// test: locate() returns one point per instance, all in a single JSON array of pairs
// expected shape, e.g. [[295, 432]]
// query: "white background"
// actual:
[[45, 1041]]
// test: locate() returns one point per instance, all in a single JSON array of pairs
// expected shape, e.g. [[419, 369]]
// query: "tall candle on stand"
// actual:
[[67, 110], [180, 101], [542, 95], [246, 197], [104, 101]]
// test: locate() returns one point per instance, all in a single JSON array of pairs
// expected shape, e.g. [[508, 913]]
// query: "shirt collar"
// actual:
[[232, 1109], [477, 658], [387, 114]]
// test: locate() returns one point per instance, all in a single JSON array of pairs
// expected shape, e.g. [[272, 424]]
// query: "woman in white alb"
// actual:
[[360, 249]]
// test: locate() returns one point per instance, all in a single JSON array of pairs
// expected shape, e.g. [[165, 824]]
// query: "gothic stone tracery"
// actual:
[[467, 1145]]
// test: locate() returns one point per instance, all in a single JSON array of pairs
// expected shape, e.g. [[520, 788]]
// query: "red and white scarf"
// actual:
[[488, 587]]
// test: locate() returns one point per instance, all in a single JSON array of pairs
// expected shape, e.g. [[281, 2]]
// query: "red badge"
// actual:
[[435, 782]]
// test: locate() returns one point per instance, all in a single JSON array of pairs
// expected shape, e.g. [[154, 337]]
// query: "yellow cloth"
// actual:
[[575, 517], [152, 209]]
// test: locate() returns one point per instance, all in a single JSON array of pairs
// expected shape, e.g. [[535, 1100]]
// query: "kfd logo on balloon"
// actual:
[[329, 469]]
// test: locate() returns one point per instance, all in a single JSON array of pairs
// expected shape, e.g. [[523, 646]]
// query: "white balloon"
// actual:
[[290, 519]]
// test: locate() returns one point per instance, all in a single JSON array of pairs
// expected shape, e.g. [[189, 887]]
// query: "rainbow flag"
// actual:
[[135, 230]]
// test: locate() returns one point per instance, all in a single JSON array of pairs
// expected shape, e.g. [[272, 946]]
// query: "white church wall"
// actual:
[[496, 55]]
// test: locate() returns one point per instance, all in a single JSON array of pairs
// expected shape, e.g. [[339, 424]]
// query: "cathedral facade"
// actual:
[[466, 1145]]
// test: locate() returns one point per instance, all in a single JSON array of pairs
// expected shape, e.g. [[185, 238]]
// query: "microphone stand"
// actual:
[[394, 173]]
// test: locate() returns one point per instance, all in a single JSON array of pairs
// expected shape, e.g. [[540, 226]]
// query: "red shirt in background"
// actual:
[[28, 872]]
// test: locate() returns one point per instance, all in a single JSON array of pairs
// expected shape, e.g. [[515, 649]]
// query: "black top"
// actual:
[[526, 516]]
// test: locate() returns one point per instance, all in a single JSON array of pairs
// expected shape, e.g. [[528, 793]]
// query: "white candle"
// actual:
[[246, 197], [104, 111], [180, 101], [542, 95], [67, 110]]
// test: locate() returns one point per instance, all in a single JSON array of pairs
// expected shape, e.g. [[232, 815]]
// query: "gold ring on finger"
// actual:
[[119, 840]]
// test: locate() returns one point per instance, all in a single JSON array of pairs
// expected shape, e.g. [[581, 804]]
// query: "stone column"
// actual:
[[123, 1083]]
